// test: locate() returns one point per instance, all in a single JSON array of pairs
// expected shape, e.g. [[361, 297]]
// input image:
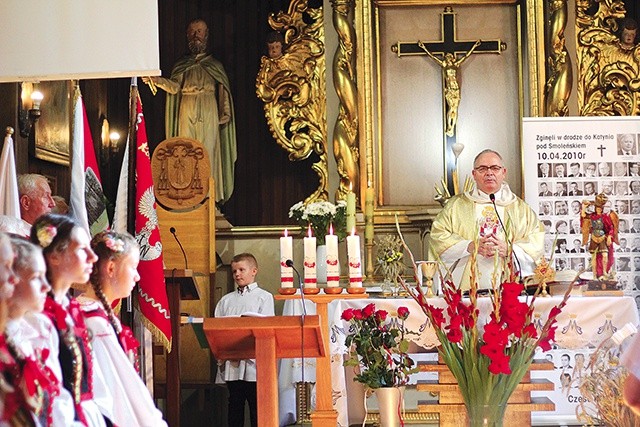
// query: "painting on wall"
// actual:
[[53, 129]]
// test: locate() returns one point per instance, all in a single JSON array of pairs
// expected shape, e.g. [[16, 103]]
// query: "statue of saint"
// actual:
[[199, 106], [450, 65], [600, 230]]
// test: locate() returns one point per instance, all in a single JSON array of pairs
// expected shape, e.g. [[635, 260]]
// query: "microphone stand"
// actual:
[[492, 197], [289, 263], [172, 230]]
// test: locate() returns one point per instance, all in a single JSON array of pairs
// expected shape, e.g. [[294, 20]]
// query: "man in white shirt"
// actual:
[[35, 199], [240, 375]]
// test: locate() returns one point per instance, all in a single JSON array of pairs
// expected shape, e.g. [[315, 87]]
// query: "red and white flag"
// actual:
[[87, 200], [9, 199], [152, 291]]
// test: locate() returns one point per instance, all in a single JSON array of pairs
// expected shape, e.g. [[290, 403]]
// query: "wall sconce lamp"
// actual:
[[28, 118], [114, 137]]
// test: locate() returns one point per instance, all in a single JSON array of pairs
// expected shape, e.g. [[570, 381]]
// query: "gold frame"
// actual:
[[369, 92], [52, 139]]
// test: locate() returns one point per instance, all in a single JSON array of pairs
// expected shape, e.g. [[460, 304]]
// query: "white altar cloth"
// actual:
[[583, 323]]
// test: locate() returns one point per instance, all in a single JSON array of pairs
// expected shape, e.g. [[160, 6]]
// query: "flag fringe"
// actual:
[[156, 333]]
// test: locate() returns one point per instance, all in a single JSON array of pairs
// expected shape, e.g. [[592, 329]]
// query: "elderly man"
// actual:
[[469, 222], [35, 200]]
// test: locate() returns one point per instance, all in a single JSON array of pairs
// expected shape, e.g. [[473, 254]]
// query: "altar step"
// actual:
[[450, 405], [437, 387]]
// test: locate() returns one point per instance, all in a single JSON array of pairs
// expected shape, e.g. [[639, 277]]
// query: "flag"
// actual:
[[9, 199], [152, 292], [87, 199]]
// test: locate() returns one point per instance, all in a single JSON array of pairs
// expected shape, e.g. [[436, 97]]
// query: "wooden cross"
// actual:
[[449, 53]]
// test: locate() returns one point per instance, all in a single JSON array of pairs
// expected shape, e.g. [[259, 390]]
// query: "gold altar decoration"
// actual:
[[558, 87], [608, 83], [345, 132], [292, 87], [180, 164]]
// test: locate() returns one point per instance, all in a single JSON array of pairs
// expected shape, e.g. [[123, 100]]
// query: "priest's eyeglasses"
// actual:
[[485, 169]]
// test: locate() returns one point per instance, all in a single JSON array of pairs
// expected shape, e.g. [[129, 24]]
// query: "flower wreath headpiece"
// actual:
[[115, 244], [45, 234]]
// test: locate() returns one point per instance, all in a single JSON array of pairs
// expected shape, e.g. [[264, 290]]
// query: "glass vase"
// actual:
[[485, 415]]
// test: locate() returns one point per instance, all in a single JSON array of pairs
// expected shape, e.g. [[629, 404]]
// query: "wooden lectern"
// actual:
[[265, 339]]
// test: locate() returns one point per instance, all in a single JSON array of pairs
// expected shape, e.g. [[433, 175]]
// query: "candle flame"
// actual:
[[368, 184], [351, 186], [353, 231], [309, 233], [331, 229], [286, 232]]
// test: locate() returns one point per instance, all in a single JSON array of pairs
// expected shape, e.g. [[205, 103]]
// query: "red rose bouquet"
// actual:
[[488, 356], [378, 346]]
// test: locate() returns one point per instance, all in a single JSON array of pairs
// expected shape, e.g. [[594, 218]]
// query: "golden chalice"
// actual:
[[428, 269]]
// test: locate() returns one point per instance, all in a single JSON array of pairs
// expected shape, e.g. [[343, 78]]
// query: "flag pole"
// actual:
[[133, 143]]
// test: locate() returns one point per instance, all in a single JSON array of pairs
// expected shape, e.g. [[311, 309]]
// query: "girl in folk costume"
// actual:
[[14, 409], [69, 258], [39, 385], [114, 347]]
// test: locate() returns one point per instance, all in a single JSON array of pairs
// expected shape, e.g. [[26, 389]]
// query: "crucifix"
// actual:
[[449, 53]]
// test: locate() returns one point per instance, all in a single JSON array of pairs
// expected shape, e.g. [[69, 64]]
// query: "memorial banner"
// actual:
[[567, 161]]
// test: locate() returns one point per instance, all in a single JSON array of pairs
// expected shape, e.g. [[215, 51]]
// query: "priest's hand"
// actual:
[[489, 245]]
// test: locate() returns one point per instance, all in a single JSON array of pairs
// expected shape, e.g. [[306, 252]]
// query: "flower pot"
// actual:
[[391, 405], [321, 263], [485, 415]]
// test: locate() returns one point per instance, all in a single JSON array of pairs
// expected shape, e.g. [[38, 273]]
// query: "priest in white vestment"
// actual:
[[471, 219]]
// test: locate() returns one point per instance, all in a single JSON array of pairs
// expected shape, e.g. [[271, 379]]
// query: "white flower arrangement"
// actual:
[[319, 215]]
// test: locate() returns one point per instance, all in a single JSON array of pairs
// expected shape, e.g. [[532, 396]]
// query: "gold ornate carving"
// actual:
[[345, 132], [558, 87], [292, 88], [178, 166], [609, 83]]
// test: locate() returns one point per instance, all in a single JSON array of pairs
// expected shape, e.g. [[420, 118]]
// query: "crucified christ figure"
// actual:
[[450, 66]]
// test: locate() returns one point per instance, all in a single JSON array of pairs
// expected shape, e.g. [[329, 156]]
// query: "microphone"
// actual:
[[172, 230], [289, 263], [492, 197]]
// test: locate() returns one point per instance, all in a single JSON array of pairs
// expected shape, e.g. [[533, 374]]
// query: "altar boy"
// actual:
[[240, 375]]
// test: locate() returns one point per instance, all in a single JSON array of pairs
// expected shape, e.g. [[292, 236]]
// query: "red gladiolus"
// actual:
[[511, 290], [437, 314], [500, 365], [403, 313], [347, 314], [530, 330], [368, 310]]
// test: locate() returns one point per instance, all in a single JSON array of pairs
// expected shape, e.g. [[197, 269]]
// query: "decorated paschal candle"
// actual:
[[286, 253], [310, 261], [333, 266], [355, 264]]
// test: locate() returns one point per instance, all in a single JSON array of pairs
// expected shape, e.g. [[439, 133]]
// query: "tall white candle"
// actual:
[[333, 266], [286, 252], [351, 209], [355, 264], [310, 261]]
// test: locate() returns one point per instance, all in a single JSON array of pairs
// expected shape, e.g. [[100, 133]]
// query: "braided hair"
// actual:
[[109, 246]]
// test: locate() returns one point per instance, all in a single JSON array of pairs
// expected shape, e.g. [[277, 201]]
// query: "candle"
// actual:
[[333, 266], [286, 252], [351, 209], [310, 261], [353, 254], [368, 214]]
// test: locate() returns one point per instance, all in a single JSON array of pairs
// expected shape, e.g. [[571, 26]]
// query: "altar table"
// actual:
[[583, 323]]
